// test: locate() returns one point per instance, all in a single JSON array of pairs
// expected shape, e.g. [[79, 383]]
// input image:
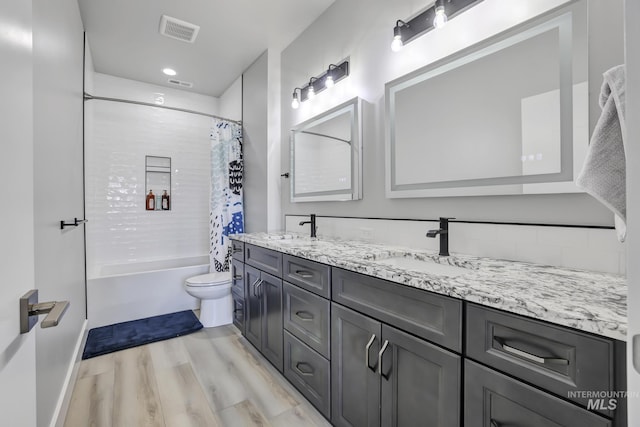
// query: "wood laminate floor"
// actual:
[[213, 377]]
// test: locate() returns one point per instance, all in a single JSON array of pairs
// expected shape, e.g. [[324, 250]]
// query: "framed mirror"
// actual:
[[506, 116], [326, 161]]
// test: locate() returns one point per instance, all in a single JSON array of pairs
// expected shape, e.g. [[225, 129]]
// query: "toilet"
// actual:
[[214, 292]]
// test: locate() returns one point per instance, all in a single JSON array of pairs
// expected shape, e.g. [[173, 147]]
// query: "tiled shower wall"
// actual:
[[118, 137], [584, 248]]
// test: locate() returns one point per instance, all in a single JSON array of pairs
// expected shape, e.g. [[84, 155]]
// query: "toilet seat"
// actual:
[[210, 279]]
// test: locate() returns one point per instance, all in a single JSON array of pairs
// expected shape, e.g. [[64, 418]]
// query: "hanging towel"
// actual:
[[603, 173]]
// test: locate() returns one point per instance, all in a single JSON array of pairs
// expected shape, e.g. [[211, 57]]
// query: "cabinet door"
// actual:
[[355, 385], [420, 381], [270, 291], [252, 307], [493, 399]]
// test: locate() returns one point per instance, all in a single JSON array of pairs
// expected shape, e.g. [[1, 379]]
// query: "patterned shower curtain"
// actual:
[[226, 216]]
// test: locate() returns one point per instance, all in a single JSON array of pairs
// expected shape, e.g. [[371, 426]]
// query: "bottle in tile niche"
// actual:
[[166, 202], [151, 201]]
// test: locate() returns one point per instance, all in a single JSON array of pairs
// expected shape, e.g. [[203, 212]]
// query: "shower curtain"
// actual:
[[226, 216]]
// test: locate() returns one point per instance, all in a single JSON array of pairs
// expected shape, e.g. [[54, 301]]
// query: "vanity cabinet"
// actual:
[[263, 313], [382, 376]]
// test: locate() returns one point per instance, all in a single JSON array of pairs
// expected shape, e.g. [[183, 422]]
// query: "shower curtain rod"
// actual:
[[148, 104]]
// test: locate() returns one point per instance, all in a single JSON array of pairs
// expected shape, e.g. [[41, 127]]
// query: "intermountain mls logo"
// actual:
[[602, 400]]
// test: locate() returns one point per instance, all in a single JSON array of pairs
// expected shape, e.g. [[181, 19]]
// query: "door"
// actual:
[[253, 306], [271, 293], [58, 190], [355, 385], [17, 351], [420, 381]]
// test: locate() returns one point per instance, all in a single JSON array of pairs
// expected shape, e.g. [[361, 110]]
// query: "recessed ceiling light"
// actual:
[[169, 71]]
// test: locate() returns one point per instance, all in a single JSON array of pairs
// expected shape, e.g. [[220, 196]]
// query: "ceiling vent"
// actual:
[[177, 29], [180, 83]]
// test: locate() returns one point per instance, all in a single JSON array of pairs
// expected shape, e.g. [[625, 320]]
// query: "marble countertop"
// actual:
[[585, 300]]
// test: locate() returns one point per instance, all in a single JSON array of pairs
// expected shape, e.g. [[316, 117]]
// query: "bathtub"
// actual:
[[122, 292]]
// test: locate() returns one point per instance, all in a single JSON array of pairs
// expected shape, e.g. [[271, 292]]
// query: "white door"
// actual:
[[17, 352], [632, 59]]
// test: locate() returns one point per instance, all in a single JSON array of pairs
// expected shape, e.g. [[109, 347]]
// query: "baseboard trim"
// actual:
[[59, 415]]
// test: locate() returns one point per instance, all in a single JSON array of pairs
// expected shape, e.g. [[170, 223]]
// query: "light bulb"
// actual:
[[311, 92], [396, 44], [295, 103], [169, 71], [328, 82], [441, 17]]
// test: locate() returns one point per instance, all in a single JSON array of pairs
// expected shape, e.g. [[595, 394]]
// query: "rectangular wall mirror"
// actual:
[[506, 116], [325, 155]]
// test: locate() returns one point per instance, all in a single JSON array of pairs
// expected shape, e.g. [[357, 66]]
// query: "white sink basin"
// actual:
[[423, 266]]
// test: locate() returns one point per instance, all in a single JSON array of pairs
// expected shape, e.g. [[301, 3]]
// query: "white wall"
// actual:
[[119, 136], [231, 101], [255, 144], [362, 31]]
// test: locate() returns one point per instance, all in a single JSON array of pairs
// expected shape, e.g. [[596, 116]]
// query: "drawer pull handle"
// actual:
[[366, 352], [304, 368], [304, 273], [237, 277], [238, 310], [382, 350], [494, 423], [529, 356], [236, 250], [304, 315]]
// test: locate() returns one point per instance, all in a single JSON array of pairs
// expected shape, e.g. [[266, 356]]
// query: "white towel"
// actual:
[[603, 173]]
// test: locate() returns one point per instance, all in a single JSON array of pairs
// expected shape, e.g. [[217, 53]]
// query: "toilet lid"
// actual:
[[219, 278]]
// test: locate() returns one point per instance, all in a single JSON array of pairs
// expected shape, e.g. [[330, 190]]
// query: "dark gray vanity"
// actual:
[[370, 352]]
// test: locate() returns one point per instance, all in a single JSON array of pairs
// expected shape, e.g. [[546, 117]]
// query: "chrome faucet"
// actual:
[[312, 223], [444, 235]]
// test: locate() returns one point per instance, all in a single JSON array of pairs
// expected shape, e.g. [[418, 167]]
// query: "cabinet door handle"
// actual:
[[382, 350], [258, 286], [366, 352], [254, 285], [531, 357], [494, 423], [304, 368], [237, 277], [304, 315], [304, 274], [236, 250]]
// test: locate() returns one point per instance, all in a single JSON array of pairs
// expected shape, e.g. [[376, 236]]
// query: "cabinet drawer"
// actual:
[[238, 311], [308, 372], [434, 317], [309, 275], [264, 259], [552, 357], [237, 276], [306, 316], [237, 250], [493, 399]]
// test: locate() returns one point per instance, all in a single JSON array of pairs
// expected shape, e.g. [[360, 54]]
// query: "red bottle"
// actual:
[[151, 201]]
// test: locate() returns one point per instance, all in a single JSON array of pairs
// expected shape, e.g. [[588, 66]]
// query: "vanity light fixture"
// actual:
[[435, 16], [330, 77], [295, 103]]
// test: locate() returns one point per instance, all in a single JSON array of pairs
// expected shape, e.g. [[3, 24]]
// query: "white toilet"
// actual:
[[214, 292]]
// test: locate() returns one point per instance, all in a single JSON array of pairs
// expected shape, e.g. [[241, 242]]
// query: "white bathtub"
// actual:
[[117, 293]]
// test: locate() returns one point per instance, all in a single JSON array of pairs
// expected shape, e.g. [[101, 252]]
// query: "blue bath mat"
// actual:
[[121, 336]]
